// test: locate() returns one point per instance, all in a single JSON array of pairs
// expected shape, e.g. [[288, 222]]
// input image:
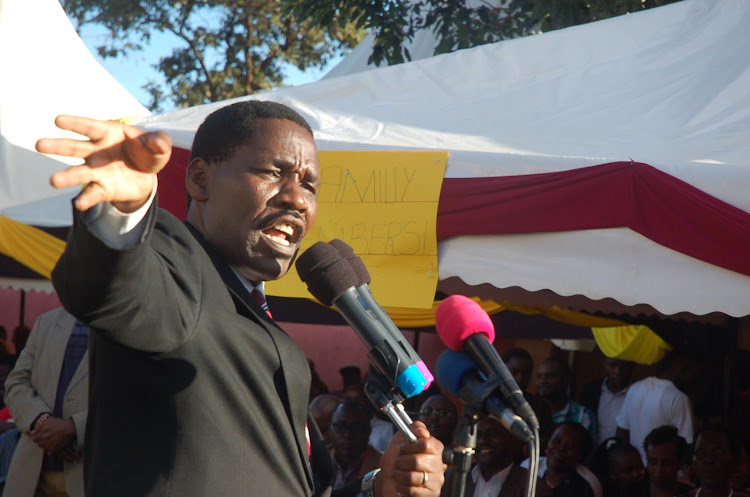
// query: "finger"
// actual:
[[156, 142], [419, 429], [74, 175], [422, 446], [94, 129], [67, 147], [148, 152], [418, 483], [92, 195]]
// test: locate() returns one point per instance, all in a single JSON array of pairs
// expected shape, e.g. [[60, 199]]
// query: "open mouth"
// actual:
[[280, 233]]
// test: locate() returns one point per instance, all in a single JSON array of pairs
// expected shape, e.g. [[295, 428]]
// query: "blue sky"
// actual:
[[135, 70]]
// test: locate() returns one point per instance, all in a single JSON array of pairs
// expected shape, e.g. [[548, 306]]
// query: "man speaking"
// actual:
[[195, 391]]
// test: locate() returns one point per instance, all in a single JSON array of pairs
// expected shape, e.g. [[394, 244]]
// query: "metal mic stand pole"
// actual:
[[463, 450]]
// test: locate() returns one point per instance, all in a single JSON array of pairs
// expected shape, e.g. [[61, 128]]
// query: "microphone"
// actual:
[[331, 279], [363, 277], [459, 375], [464, 326]]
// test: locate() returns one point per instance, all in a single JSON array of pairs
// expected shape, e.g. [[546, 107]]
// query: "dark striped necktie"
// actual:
[[261, 299]]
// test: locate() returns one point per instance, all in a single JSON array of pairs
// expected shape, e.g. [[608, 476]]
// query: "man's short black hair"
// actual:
[[229, 127], [586, 442], [519, 352], [562, 365], [734, 444], [667, 434], [354, 404]]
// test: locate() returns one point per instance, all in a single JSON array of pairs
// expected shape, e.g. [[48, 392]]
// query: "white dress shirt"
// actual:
[[491, 488]]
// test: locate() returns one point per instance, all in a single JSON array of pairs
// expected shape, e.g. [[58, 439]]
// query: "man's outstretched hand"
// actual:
[[120, 161], [412, 469]]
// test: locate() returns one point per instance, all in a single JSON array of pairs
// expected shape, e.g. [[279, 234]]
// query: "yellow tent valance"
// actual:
[[615, 338], [423, 318], [631, 343], [30, 246], [40, 251]]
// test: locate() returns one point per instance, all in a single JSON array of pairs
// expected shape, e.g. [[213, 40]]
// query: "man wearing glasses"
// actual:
[[439, 415]]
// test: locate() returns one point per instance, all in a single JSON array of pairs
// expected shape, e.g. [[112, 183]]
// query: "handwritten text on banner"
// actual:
[[383, 204]]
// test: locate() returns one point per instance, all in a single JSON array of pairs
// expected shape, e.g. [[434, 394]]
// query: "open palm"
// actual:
[[120, 161]]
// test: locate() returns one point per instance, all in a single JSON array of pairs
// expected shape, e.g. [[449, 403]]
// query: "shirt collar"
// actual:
[[249, 285], [501, 475], [606, 389], [565, 410]]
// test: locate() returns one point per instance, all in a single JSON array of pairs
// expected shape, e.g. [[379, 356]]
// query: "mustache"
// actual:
[[268, 218]]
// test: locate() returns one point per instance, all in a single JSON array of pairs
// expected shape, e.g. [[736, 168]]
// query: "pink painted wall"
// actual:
[[37, 303]]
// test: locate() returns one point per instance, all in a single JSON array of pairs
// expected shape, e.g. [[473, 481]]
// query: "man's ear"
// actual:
[[197, 180]]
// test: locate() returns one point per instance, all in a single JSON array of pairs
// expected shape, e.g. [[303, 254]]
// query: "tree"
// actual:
[[227, 48], [457, 23]]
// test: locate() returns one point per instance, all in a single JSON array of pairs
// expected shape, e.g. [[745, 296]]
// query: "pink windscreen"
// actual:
[[459, 317]]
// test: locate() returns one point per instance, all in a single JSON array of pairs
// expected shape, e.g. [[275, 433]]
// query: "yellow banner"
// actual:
[[383, 204]]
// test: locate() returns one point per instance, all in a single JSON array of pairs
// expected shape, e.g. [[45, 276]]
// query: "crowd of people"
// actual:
[[623, 438]]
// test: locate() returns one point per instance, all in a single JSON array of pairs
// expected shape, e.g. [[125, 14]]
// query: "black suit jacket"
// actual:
[[513, 486], [194, 390]]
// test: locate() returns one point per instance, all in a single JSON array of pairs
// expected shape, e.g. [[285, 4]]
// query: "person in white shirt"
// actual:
[[661, 400], [606, 395]]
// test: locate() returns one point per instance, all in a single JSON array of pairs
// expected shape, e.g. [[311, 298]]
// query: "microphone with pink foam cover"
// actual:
[[459, 317], [465, 327]]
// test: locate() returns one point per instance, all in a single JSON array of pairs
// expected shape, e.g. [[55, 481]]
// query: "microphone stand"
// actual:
[[463, 451], [388, 400]]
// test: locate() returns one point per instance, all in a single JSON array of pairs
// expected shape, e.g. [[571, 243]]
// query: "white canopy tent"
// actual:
[[669, 87], [47, 70]]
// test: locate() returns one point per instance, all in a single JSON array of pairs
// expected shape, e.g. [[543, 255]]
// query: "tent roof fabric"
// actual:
[[47, 70], [667, 87]]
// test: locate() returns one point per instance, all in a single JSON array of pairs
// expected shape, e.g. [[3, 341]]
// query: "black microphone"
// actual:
[[464, 326], [331, 279], [459, 375], [363, 279]]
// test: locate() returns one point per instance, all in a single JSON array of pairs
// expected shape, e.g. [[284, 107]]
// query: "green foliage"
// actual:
[[457, 25], [226, 48]]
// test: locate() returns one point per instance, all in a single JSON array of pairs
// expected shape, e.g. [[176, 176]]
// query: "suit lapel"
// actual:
[[469, 484], [513, 482], [81, 371], [57, 340], [247, 306]]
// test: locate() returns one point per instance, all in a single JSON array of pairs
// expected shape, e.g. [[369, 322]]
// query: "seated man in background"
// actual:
[[521, 365], [495, 474], [562, 469], [321, 409], [440, 417], [665, 455], [619, 468], [350, 432], [552, 384], [715, 457]]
